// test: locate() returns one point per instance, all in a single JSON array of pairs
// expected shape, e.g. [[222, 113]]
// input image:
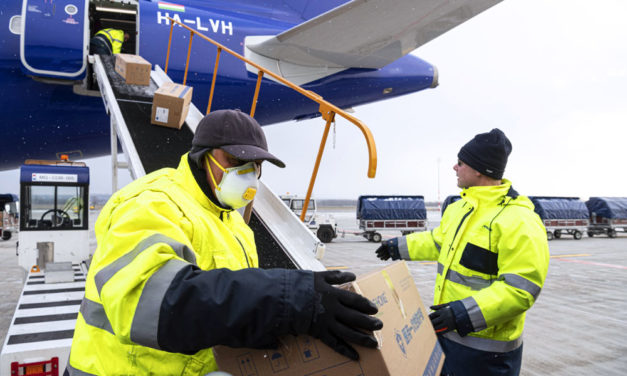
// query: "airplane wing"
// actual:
[[366, 33]]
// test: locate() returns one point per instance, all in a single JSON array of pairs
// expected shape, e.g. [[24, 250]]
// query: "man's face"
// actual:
[[225, 160], [466, 175]]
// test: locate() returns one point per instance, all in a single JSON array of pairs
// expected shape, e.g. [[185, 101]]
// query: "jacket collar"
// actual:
[[490, 194], [194, 182]]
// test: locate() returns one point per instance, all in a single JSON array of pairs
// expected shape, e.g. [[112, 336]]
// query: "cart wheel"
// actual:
[[368, 235], [590, 234], [558, 234], [549, 235], [325, 234], [577, 234], [6, 235], [376, 237], [611, 233]]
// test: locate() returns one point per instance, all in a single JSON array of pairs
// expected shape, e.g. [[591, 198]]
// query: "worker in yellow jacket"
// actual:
[[108, 42], [175, 272], [493, 257]]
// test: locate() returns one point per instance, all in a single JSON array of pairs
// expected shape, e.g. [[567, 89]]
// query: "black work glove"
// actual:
[[389, 249], [341, 316], [442, 318]]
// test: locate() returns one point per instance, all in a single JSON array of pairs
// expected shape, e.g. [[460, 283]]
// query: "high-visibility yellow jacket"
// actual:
[[493, 257], [164, 286], [115, 38]]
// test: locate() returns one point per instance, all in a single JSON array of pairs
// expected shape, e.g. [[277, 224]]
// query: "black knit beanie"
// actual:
[[487, 153]]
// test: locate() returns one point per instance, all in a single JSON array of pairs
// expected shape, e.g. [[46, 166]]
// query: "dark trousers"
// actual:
[[464, 361], [97, 46]]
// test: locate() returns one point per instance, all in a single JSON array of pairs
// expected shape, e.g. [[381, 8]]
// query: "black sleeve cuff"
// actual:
[[462, 320]]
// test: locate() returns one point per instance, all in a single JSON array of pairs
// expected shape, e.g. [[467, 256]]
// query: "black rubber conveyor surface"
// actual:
[[157, 146], [160, 147]]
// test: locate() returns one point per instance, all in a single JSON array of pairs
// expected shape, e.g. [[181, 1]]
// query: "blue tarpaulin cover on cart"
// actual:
[[608, 207], [391, 207], [560, 207]]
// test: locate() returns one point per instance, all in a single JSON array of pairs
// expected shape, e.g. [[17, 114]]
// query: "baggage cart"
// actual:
[[607, 215], [406, 214], [8, 215], [562, 215]]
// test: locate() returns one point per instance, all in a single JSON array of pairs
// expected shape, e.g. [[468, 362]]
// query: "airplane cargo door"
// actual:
[[53, 41]]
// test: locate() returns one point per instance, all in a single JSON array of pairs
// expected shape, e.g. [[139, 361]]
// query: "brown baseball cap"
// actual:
[[234, 132]]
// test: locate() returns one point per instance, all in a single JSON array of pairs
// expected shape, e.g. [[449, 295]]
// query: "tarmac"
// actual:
[[577, 326]]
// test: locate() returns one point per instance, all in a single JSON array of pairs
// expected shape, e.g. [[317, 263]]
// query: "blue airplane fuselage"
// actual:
[[43, 116]]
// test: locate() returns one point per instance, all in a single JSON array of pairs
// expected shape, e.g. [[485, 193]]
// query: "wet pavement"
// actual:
[[577, 326]]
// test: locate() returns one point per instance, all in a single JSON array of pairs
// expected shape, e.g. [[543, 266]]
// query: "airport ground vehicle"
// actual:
[[607, 215], [53, 243], [562, 215], [378, 213], [323, 225], [8, 215]]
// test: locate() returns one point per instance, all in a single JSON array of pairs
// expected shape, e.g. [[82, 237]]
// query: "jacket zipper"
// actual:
[[458, 227], [236, 238], [243, 249]]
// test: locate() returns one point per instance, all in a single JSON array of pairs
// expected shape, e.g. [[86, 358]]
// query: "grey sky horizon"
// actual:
[[549, 73]]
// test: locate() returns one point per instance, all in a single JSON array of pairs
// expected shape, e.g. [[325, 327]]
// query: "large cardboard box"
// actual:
[[170, 105], [134, 68], [407, 342]]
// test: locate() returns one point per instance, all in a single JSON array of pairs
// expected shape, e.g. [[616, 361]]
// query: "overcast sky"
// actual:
[[552, 74]]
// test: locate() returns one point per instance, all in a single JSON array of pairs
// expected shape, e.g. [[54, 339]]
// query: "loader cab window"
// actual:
[[53, 207], [116, 15], [298, 204]]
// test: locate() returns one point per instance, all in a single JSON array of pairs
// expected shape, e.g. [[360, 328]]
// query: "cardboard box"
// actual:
[[134, 68], [407, 342], [170, 105]]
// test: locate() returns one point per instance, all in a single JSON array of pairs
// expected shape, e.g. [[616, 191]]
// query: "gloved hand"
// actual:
[[389, 249], [442, 318], [341, 316]]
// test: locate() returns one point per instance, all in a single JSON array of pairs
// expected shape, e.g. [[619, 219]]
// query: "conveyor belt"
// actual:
[[282, 240], [156, 146]]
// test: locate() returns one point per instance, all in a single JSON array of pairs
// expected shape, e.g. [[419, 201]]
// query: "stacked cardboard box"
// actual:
[[170, 105], [134, 68]]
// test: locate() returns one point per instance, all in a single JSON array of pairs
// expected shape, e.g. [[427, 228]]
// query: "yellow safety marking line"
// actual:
[[337, 267], [572, 255]]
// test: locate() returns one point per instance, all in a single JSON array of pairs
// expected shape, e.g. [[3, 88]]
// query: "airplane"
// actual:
[[349, 52]]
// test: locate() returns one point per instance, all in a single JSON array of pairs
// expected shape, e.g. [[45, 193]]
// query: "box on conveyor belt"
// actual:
[[134, 68], [170, 105], [407, 342]]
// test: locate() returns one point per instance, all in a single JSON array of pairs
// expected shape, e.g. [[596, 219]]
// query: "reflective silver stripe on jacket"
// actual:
[[109, 271], [437, 246], [145, 324], [474, 313], [76, 372], [94, 315], [484, 344], [106, 31], [522, 283], [475, 283], [403, 250]]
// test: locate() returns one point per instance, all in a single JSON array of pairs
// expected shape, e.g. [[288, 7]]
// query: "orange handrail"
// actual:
[[327, 109]]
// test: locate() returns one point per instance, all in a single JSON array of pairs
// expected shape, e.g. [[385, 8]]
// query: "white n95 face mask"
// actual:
[[238, 186]]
